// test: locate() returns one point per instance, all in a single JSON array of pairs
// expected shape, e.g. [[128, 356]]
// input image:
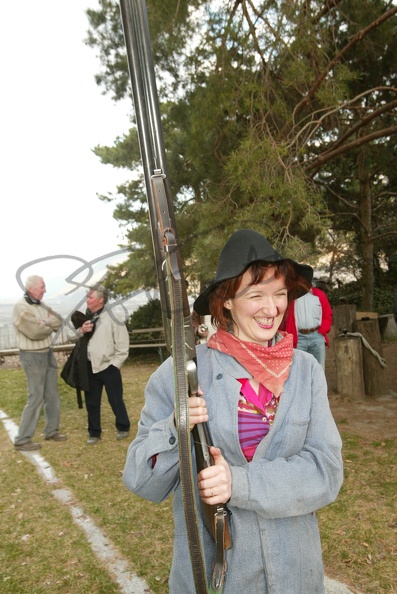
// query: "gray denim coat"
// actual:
[[296, 470]]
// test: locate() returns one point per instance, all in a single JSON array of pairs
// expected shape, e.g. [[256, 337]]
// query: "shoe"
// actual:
[[122, 434], [56, 437], [93, 440], [28, 446]]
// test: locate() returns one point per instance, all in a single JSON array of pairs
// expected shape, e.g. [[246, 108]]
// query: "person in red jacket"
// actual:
[[309, 320]]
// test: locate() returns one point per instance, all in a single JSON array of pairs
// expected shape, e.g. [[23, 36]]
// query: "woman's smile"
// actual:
[[265, 322]]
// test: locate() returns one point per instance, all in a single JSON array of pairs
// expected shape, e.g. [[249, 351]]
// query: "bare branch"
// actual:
[[383, 235], [364, 121], [329, 112], [339, 197], [253, 33], [328, 6], [360, 35], [316, 165]]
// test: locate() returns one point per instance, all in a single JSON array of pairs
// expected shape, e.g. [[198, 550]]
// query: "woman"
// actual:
[[278, 454]]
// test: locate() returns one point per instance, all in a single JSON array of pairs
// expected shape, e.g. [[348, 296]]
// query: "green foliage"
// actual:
[[106, 33], [170, 27], [146, 316], [351, 294], [269, 113]]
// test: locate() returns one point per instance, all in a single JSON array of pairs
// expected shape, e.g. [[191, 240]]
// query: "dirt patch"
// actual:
[[375, 418]]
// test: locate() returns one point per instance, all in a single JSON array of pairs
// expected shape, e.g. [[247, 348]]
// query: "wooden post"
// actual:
[[388, 327], [374, 373], [343, 318], [349, 367]]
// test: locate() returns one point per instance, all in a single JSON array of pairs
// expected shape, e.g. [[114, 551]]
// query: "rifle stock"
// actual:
[[202, 443]]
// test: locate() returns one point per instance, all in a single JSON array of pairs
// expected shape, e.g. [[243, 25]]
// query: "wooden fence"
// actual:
[[155, 339]]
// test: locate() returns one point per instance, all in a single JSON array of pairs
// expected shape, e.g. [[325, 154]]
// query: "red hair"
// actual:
[[222, 317]]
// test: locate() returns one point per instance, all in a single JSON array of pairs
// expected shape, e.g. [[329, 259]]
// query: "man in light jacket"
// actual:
[[34, 323], [107, 349]]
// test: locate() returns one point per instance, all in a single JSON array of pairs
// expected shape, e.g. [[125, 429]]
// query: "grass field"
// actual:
[[43, 551]]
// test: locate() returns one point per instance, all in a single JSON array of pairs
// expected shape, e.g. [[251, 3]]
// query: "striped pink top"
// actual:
[[256, 414]]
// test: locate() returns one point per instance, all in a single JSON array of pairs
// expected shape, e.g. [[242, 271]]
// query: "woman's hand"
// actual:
[[215, 482], [197, 411]]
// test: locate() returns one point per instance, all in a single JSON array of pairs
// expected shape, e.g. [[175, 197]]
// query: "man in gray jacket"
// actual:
[[34, 323]]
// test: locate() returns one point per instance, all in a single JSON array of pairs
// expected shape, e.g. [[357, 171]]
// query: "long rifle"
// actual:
[[176, 314]]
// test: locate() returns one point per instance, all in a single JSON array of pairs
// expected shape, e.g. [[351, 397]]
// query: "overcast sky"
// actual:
[[52, 115]]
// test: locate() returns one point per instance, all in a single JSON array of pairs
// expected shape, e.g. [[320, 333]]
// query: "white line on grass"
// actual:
[[105, 551]]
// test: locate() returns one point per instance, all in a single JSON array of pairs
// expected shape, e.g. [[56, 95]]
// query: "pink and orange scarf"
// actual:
[[268, 365]]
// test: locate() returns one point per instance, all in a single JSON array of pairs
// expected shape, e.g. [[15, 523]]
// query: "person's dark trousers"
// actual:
[[111, 379]]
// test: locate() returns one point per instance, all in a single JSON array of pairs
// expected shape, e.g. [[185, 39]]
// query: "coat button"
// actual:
[[219, 376], [172, 439]]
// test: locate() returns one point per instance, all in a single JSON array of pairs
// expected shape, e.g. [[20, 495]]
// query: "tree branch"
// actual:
[[316, 165], [339, 197], [363, 122], [360, 35], [328, 6], [383, 235], [316, 123]]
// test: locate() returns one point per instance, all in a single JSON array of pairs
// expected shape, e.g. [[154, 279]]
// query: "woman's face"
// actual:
[[258, 310]]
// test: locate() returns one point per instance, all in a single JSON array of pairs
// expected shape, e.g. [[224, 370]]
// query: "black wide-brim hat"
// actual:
[[243, 248]]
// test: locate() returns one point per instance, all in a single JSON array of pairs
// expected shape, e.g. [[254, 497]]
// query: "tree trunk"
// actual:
[[349, 367], [395, 300], [343, 318], [367, 245], [374, 373]]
